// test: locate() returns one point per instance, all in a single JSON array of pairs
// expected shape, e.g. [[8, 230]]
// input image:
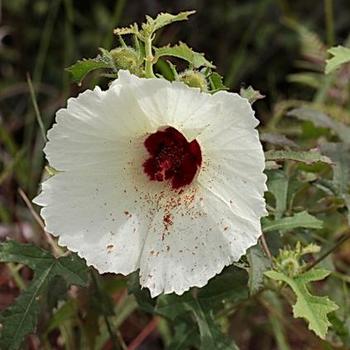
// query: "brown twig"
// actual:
[[55, 249], [265, 246], [329, 251]]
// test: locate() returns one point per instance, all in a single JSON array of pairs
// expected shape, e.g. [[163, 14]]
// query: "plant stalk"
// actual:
[[113, 336], [328, 9], [149, 58], [329, 251]]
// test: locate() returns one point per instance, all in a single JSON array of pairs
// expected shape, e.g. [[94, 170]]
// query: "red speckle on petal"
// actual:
[[167, 221], [172, 157]]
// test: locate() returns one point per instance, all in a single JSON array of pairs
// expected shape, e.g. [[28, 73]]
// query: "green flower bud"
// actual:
[[194, 79], [127, 58]]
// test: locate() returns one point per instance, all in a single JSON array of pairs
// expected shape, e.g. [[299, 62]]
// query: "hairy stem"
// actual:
[[149, 58]]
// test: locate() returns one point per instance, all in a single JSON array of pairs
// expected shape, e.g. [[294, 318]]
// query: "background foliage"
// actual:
[[277, 46]]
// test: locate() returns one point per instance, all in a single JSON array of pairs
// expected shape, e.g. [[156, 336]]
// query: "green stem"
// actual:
[[45, 40], [16, 276], [323, 256], [36, 108], [328, 9], [113, 336], [149, 58], [66, 333]]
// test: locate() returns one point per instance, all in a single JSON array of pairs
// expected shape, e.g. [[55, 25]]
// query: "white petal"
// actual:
[[103, 218], [191, 239], [98, 205], [171, 104], [95, 125], [233, 158]]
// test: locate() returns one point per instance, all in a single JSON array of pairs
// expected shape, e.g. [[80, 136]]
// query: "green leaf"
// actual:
[[277, 326], [216, 82], [313, 309], [166, 70], [227, 288], [311, 44], [142, 296], [66, 312], [153, 24], [278, 185], [277, 139], [250, 94], [321, 120], [107, 57], [21, 317], [184, 52], [340, 155], [172, 305], [302, 219], [341, 327], [132, 29], [164, 19], [313, 80], [58, 291], [185, 337], [80, 69], [26, 254], [72, 268], [259, 263], [340, 55], [210, 335], [304, 157]]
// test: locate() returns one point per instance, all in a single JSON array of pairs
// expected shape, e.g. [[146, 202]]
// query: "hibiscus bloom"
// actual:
[[156, 176]]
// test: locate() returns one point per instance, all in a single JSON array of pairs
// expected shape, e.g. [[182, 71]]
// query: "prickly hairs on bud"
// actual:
[[194, 79], [127, 58]]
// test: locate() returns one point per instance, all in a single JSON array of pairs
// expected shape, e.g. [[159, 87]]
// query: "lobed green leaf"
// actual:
[[313, 309], [82, 68], [250, 94], [21, 318], [340, 55], [184, 52], [164, 19]]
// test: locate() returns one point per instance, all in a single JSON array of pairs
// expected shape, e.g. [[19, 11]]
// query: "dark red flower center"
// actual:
[[172, 157]]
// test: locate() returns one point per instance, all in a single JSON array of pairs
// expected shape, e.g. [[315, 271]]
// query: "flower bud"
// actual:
[[127, 58], [194, 79]]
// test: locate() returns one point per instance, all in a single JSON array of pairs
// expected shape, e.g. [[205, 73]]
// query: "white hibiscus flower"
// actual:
[[155, 176]]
